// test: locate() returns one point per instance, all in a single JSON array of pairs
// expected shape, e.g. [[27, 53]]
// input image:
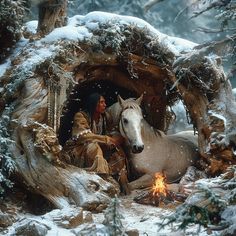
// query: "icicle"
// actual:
[[49, 103], [55, 110]]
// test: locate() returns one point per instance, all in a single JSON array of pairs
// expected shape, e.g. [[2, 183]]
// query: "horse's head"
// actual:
[[130, 122]]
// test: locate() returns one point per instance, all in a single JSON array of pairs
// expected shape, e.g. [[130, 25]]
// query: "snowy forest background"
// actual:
[[201, 21]]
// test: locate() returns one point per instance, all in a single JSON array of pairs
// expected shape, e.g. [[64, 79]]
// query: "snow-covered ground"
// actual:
[[142, 219]]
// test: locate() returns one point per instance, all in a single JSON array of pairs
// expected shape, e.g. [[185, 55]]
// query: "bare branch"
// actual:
[[180, 13], [219, 47], [215, 4], [151, 3], [207, 30]]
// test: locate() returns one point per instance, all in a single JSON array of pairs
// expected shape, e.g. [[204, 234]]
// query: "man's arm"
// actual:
[[81, 131], [112, 130]]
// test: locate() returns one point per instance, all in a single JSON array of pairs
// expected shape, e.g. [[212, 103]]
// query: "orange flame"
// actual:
[[159, 187]]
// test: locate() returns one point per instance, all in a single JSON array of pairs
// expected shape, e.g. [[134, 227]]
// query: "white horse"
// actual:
[[151, 150]]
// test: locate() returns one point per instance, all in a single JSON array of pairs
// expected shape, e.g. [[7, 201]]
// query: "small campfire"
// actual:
[[159, 193], [159, 188]]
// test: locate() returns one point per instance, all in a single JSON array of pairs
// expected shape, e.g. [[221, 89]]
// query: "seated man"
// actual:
[[91, 147]]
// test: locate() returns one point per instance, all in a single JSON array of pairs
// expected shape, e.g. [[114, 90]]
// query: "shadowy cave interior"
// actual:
[[76, 102], [152, 83]]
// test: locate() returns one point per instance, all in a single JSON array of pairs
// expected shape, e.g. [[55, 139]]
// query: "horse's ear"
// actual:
[[139, 100], [120, 100]]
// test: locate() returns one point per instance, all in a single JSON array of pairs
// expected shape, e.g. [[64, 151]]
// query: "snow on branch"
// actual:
[[220, 48], [210, 5]]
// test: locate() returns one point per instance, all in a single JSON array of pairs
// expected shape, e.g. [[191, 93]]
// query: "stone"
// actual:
[[5, 219], [67, 217], [87, 217], [31, 228], [132, 232]]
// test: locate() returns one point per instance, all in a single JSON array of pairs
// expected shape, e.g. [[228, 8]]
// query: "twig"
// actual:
[[180, 13], [214, 44], [151, 3], [220, 48], [206, 30], [209, 7]]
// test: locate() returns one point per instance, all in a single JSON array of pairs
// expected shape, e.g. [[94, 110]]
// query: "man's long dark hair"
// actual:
[[91, 104]]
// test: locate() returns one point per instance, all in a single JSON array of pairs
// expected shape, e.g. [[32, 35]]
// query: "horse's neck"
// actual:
[[149, 133]]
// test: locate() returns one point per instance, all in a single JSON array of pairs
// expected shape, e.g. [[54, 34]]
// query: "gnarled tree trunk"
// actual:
[[52, 14], [208, 97], [36, 153]]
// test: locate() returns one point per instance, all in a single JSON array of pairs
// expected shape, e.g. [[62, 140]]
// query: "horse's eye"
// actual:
[[125, 121]]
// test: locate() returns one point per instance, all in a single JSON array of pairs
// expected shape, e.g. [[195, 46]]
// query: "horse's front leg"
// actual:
[[142, 182]]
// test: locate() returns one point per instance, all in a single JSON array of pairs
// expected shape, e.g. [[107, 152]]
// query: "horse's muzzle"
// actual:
[[137, 148]]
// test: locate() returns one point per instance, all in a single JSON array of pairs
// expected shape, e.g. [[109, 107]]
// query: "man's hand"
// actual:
[[117, 140], [112, 143]]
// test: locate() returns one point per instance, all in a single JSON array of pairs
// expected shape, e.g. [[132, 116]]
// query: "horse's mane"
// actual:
[[130, 103], [158, 132]]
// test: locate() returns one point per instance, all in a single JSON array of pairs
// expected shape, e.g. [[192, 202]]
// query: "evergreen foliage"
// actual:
[[7, 165], [11, 19], [212, 206], [113, 218]]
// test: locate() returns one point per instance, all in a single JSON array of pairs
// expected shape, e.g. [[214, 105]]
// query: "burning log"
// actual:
[[159, 194]]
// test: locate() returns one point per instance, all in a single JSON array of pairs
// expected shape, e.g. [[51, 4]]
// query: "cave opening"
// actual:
[[76, 102]]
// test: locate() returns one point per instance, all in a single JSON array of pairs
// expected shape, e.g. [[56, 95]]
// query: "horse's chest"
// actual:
[[143, 163], [139, 164]]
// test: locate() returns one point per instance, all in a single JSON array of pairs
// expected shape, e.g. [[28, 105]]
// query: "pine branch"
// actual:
[[7, 165], [113, 218], [211, 205]]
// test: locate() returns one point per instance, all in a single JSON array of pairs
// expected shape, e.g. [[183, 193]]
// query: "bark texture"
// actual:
[[52, 14], [37, 158]]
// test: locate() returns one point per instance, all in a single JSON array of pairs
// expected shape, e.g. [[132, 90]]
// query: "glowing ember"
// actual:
[[159, 187]]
